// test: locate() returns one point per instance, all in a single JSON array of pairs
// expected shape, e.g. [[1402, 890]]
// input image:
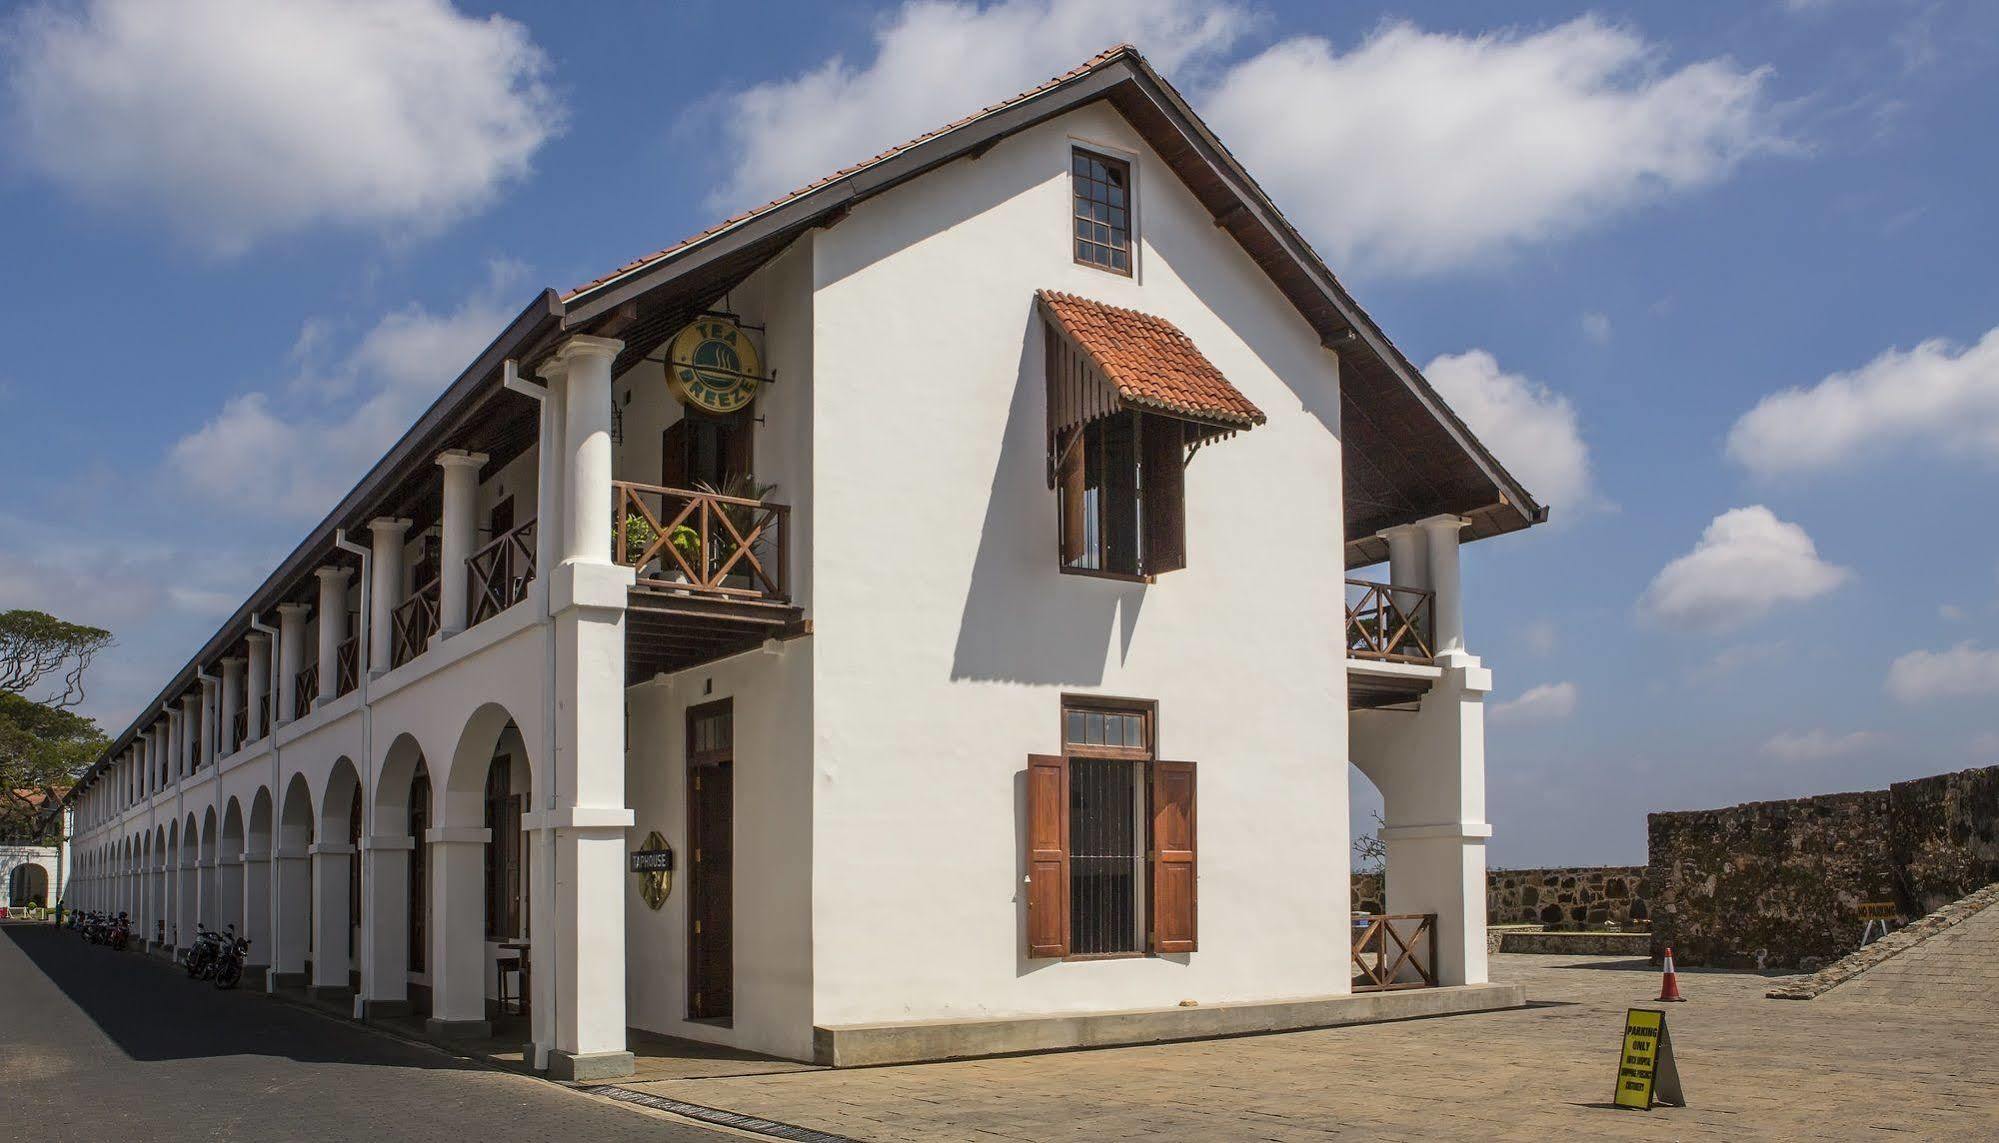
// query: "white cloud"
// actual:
[[1935, 396], [1422, 151], [932, 63], [1597, 328], [1533, 430], [1542, 637], [1818, 745], [1746, 563], [1961, 672], [239, 119], [295, 453], [1549, 702]]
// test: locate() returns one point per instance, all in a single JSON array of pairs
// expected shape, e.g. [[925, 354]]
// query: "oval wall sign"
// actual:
[[712, 366]]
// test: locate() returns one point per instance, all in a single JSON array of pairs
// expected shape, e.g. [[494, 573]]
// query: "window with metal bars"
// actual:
[[1102, 197], [1108, 748]]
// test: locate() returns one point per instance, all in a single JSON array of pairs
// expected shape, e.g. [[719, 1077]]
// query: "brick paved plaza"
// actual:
[[94, 1044]]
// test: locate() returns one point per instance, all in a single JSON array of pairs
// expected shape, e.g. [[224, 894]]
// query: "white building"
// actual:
[[1039, 441]]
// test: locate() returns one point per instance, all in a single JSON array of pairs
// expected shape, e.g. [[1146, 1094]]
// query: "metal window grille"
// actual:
[[1106, 855]]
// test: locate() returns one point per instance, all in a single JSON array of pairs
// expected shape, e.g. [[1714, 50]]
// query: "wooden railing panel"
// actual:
[[1386, 621], [702, 542], [412, 624], [305, 692], [497, 575], [1385, 945], [348, 659]]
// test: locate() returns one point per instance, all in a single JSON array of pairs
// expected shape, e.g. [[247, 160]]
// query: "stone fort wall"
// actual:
[[1559, 898], [1787, 878]]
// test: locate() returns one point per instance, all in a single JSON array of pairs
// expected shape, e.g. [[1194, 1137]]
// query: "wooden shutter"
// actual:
[[1173, 864], [673, 455], [1118, 493], [1047, 855], [1069, 480], [1164, 444], [737, 440]]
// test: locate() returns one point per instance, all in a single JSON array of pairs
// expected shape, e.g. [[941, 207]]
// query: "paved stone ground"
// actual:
[[1753, 1068], [98, 1045]]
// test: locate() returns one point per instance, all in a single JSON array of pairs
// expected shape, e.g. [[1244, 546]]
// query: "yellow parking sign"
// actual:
[[1646, 1073]]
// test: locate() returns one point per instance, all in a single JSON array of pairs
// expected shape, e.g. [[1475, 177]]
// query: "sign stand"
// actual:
[[1646, 1073]]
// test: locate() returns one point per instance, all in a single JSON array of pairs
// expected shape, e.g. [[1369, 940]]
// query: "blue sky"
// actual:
[[243, 246]]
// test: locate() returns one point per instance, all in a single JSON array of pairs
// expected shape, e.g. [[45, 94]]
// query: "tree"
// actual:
[[44, 745]]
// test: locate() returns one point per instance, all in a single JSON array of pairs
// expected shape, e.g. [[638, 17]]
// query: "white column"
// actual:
[[211, 730], [291, 659], [257, 908], [232, 702], [385, 885], [1442, 533], [457, 960], [460, 533], [330, 920], [190, 732], [332, 629], [143, 761], [550, 490], [584, 366], [291, 939], [259, 685], [385, 590]]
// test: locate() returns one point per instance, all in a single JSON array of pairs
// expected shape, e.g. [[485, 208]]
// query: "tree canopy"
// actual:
[[44, 744]]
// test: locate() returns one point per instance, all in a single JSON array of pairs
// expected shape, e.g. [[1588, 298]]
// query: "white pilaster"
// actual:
[[1442, 534], [385, 883], [460, 534], [330, 917], [259, 684], [332, 630], [291, 659], [457, 959], [385, 589]]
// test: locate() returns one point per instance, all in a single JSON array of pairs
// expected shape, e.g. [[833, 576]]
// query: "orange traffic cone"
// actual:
[[1669, 988]]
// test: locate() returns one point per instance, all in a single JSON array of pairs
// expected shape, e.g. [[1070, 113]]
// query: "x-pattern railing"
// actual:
[[1389, 622], [499, 573], [412, 624], [1376, 940], [305, 692], [701, 541], [347, 661]]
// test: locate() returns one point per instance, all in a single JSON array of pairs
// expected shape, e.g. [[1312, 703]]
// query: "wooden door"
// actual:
[[710, 899]]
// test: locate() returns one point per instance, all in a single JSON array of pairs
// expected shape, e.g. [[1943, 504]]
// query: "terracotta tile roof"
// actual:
[[1094, 62], [1150, 361]]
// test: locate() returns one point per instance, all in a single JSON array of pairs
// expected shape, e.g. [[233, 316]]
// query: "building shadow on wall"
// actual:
[[1023, 620], [152, 1011]]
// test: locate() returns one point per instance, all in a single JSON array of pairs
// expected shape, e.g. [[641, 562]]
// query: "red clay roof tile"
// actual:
[[1150, 361]]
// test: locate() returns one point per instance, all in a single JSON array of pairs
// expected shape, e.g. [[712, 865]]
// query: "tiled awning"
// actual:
[[1140, 362]]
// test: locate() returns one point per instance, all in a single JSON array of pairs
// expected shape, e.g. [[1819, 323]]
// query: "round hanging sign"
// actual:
[[712, 366]]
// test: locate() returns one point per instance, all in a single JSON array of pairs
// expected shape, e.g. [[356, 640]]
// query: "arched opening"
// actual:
[[229, 871], [291, 928], [336, 881], [257, 840], [419, 877], [205, 878], [505, 887], [28, 887], [478, 866], [397, 893]]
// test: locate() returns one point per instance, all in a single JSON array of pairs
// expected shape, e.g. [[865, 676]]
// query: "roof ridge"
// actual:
[[1106, 56]]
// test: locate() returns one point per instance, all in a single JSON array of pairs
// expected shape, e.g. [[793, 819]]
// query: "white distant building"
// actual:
[[946, 562]]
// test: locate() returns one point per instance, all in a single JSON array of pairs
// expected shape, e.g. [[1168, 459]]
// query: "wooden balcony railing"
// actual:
[[1410, 939], [239, 728], [264, 710], [499, 573], [347, 659], [1389, 622], [305, 692], [702, 542], [412, 624]]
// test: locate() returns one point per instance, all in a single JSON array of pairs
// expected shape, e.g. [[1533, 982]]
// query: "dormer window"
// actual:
[[1102, 197]]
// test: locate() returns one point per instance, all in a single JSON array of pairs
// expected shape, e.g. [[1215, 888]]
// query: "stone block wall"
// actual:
[[1568, 898], [1788, 877]]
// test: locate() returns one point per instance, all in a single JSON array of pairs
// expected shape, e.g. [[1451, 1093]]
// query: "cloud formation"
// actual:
[[1532, 429], [1425, 151], [294, 452], [1746, 563], [1964, 671], [1819, 745], [1936, 395], [933, 63], [1549, 702], [1420, 152], [240, 119]]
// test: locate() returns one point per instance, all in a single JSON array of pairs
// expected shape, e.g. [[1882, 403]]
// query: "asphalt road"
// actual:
[[98, 1045]]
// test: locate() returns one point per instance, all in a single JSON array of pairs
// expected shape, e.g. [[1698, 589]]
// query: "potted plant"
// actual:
[[640, 535], [742, 518]]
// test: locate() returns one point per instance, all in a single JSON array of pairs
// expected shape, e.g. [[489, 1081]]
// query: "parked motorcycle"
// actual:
[[120, 932], [229, 970], [207, 949]]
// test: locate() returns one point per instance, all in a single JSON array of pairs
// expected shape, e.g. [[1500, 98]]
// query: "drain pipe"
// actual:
[[271, 669], [362, 651], [543, 946]]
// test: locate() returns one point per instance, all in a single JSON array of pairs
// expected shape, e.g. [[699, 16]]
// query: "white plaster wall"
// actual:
[[13, 857], [944, 635]]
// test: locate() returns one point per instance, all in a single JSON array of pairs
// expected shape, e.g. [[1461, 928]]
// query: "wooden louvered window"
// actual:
[[1102, 214], [1122, 495], [1110, 839]]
